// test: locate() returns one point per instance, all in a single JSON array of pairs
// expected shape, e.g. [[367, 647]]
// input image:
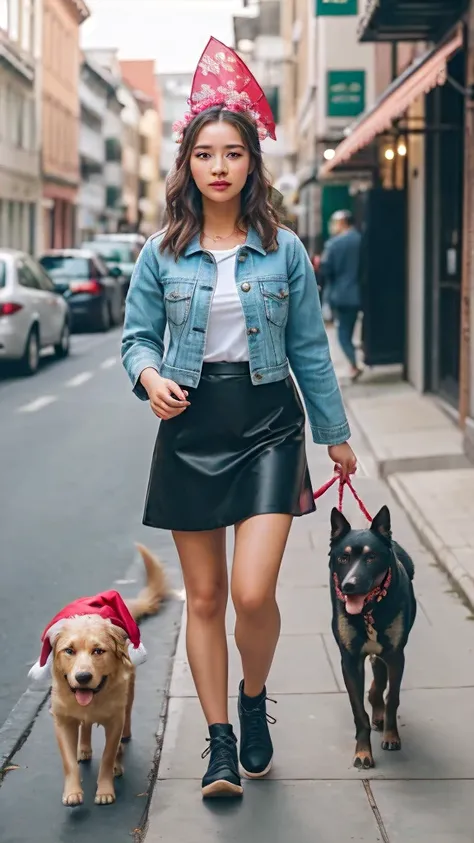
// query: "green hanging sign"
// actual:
[[330, 8], [345, 93]]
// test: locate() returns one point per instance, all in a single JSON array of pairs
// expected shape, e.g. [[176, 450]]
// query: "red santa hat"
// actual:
[[108, 605]]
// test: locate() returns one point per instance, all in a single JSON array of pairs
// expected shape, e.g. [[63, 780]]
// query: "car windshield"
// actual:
[[112, 252], [64, 266], [3, 274]]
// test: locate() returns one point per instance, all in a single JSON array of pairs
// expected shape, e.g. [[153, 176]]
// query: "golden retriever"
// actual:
[[96, 651]]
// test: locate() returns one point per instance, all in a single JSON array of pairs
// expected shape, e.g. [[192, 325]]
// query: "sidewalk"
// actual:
[[422, 794], [416, 446]]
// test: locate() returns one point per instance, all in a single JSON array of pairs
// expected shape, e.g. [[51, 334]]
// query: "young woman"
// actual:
[[237, 293]]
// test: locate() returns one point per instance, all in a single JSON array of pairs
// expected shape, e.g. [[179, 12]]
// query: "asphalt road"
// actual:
[[75, 452]]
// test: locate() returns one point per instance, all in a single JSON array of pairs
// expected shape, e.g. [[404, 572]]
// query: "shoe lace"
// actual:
[[221, 747], [254, 718]]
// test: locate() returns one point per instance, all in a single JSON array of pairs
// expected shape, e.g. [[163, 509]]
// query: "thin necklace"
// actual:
[[216, 237]]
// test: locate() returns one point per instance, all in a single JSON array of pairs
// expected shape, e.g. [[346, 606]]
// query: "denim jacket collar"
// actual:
[[252, 242]]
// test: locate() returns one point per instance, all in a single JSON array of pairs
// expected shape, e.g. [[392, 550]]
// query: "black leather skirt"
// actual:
[[237, 451]]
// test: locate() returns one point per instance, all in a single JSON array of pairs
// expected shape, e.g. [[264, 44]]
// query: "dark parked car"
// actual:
[[118, 250], [92, 290]]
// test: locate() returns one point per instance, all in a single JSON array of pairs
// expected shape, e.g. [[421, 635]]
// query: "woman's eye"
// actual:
[[234, 155], [202, 155]]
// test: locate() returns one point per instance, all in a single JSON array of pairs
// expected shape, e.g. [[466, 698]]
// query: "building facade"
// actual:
[[175, 90], [329, 78], [20, 184], [141, 78], [61, 119], [131, 116], [94, 89]]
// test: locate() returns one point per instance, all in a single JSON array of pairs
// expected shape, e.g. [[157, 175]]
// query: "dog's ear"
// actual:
[[340, 526], [382, 523], [119, 638]]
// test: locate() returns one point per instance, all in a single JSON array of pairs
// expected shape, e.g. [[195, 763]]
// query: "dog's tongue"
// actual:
[[84, 697], [355, 604]]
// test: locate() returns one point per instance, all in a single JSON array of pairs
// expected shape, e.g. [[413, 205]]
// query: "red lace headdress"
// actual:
[[222, 78]]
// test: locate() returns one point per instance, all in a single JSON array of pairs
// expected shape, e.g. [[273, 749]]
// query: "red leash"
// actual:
[[343, 481]]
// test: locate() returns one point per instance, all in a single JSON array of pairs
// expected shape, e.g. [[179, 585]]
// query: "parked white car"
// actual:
[[33, 315]]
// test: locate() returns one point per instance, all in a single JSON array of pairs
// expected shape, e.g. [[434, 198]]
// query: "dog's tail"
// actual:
[[150, 598]]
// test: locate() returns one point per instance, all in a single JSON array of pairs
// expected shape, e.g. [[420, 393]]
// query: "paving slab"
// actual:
[[426, 812], [440, 504], [304, 611], [329, 812], [301, 664], [407, 431], [322, 745]]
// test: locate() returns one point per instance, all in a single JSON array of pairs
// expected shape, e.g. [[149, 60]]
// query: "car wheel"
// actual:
[[30, 361], [104, 319], [62, 348]]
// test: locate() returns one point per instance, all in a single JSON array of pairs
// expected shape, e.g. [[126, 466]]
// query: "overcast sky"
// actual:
[[174, 32]]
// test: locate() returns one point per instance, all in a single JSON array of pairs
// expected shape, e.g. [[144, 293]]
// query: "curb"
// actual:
[[443, 555], [19, 724]]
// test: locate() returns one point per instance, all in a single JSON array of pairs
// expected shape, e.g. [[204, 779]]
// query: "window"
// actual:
[[273, 96], [113, 197], [3, 274], [61, 266], [26, 277], [43, 280], [113, 149]]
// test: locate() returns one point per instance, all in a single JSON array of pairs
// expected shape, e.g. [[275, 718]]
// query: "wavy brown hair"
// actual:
[[184, 214]]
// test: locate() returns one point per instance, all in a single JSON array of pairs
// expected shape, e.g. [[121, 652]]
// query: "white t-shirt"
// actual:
[[226, 331]]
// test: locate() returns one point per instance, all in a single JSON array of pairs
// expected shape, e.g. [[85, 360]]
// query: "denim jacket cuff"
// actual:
[[149, 361], [331, 435]]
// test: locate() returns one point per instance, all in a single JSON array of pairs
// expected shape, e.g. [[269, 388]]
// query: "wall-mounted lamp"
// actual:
[[401, 149], [389, 154]]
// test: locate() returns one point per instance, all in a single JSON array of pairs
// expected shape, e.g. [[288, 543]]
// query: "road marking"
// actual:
[[107, 364], [78, 380], [38, 404]]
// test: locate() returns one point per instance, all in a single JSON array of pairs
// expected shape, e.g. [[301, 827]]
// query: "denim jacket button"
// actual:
[[243, 257], [245, 287], [252, 331], [258, 376]]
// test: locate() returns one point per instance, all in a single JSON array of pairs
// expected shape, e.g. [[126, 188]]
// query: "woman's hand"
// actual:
[[344, 456], [167, 399]]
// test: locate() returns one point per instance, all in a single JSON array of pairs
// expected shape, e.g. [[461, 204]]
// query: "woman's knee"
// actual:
[[251, 602], [207, 603]]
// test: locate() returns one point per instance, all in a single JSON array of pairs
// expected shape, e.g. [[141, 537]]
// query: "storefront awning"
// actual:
[[420, 78]]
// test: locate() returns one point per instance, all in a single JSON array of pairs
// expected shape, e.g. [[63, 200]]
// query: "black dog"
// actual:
[[374, 609]]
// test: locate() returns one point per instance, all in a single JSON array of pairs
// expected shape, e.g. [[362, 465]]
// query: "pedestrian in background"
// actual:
[[340, 266], [237, 291]]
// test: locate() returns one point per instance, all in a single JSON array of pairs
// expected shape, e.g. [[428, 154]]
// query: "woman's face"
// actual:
[[220, 162]]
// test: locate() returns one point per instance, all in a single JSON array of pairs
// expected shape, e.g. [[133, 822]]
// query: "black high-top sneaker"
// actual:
[[256, 748], [222, 777]]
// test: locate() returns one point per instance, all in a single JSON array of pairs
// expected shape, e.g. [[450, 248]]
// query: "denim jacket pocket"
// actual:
[[276, 295], [177, 303]]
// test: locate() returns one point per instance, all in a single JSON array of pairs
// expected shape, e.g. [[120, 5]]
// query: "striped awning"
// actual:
[[419, 78]]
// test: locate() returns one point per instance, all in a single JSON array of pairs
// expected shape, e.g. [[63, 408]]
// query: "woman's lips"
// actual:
[[220, 185]]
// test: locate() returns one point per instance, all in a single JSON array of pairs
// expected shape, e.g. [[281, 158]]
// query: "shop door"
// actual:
[[382, 215]]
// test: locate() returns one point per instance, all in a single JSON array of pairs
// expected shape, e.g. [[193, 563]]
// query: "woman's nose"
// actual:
[[219, 167]]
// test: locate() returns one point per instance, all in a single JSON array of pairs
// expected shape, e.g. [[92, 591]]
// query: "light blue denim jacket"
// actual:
[[282, 312]]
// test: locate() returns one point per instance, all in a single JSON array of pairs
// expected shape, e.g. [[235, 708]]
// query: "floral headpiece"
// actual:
[[222, 78]]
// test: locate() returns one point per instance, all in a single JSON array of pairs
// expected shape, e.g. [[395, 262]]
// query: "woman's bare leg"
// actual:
[[203, 562], [259, 546]]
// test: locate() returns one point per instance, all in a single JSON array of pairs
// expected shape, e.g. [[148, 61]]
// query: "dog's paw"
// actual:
[[105, 795], [391, 742], [118, 769], [84, 754], [72, 800], [364, 760]]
